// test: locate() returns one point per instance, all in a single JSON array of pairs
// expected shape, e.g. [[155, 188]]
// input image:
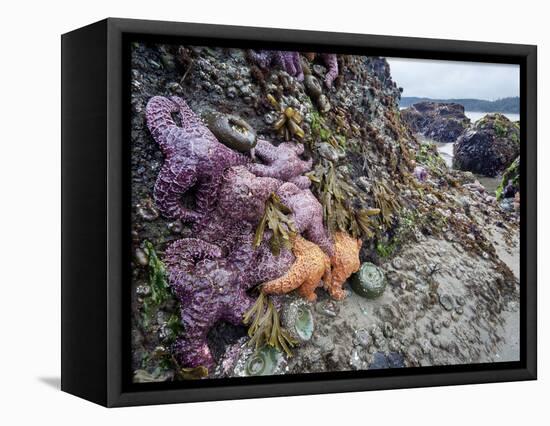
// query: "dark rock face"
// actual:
[[380, 361], [489, 148], [439, 121], [509, 185]]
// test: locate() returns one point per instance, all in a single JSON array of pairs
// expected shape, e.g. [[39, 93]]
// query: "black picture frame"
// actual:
[[95, 216]]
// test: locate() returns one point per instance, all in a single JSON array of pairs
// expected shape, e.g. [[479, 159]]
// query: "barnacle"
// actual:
[[289, 121], [265, 326], [276, 219]]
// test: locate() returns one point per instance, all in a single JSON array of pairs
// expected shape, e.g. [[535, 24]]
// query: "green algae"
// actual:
[[160, 291], [510, 174]]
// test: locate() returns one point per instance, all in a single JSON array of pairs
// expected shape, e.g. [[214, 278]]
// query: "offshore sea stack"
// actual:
[[442, 122], [489, 148]]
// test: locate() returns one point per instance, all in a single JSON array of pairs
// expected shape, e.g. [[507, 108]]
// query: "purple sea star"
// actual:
[[420, 173], [211, 273], [195, 158], [211, 289], [282, 162], [286, 60], [331, 62]]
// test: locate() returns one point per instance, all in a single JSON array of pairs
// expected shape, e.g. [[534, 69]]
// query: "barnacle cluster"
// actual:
[[288, 125]]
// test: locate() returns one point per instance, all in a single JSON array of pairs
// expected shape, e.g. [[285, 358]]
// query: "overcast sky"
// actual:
[[448, 79]]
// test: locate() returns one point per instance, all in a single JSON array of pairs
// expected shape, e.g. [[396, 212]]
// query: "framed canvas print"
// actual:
[[253, 212]]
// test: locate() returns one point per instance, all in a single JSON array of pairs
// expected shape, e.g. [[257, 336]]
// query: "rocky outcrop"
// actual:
[[489, 147], [509, 185], [425, 227], [443, 122]]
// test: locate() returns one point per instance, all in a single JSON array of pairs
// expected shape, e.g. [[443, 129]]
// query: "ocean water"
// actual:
[[476, 115]]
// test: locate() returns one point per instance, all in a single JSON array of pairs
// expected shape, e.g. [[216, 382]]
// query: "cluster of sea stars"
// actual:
[[212, 272], [291, 63]]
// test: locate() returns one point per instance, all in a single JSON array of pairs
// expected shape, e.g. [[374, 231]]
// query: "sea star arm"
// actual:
[[239, 304], [262, 170], [199, 311], [307, 214], [297, 64], [158, 114], [174, 179], [345, 262], [290, 64], [282, 162], [301, 182], [298, 147], [288, 282], [331, 62], [307, 289], [180, 259], [265, 151], [200, 306], [262, 58]]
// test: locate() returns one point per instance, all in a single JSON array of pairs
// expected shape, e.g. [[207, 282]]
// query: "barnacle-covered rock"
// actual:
[[369, 282], [443, 122], [323, 103], [489, 148]]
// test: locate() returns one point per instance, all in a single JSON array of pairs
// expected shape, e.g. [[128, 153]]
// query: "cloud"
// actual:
[[449, 79]]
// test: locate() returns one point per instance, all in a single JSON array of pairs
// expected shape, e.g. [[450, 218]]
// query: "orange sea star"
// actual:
[[305, 274], [345, 262]]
